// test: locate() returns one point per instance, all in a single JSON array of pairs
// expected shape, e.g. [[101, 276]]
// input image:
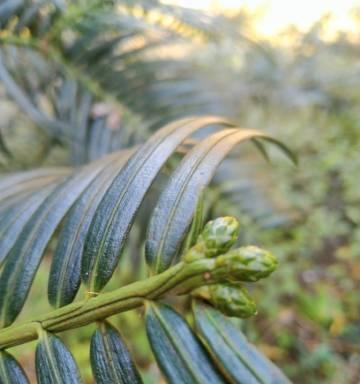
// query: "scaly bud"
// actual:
[[245, 264], [216, 238], [230, 299]]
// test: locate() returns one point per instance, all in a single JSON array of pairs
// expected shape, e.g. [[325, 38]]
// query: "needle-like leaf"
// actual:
[[54, 362], [233, 354], [116, 211], [10, 370], [110, 359], [64, 279], [179, 353], [175, 208], [24, 258]]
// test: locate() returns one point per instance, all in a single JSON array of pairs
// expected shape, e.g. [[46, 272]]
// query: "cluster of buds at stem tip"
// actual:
[[230, 267]]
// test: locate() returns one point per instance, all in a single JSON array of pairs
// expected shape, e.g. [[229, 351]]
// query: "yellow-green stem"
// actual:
[[104, 305]]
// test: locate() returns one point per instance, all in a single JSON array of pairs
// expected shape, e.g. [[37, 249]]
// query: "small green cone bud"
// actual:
[[232, 300], [216, 238], [246, 264], [219, 235]]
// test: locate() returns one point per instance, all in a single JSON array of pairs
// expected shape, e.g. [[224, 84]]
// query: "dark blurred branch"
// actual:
[[25, 104]]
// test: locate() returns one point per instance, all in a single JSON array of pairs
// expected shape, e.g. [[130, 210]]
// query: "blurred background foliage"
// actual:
[[83, 79]]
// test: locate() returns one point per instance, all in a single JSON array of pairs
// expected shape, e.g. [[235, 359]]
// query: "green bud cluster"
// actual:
[[217, 237], [223, 287], [246, 264], [224, 290]]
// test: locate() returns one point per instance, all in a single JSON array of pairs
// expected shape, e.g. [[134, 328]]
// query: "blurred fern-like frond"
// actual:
[[111, 69]]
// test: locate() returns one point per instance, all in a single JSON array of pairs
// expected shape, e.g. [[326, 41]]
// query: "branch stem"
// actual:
[[178, 279], [55, 54]]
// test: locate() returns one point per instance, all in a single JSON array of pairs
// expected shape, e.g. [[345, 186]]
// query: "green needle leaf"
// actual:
[[15, 218], [175, 208], [64, 280], [54, 362], [10, 370], [110, 359], [25, 257], [115, 215], [239, 361], [178, 352]]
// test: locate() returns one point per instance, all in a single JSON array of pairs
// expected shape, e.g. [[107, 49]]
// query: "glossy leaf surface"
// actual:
[[240, 361], [115, 215], [110, 359], [24, 258], [65, 277], [54, 362], [175, 208], [178, 351]]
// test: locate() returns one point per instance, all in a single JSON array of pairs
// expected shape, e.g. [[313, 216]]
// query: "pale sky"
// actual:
[[275, 15]]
